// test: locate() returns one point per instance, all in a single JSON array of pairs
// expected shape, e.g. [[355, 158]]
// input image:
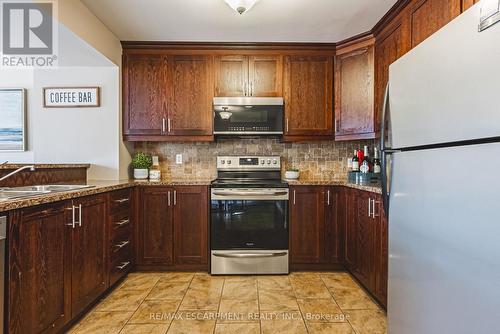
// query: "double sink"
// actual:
[[31, 191]]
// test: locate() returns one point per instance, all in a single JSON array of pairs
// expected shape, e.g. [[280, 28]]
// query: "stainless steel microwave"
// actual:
[[243, 116]]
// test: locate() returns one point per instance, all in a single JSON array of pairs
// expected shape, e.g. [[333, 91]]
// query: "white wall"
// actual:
[[75, 135]]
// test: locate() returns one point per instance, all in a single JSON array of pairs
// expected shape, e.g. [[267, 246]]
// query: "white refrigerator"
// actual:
[[441, 182]]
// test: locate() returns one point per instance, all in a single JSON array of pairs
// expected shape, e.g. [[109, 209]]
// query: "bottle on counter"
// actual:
[[376, 162], [360, 156], [365, 163], [154, 171], [355, 162]]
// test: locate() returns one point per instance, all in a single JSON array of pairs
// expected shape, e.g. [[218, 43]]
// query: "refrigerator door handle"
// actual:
[[383, 125], [386, 175]]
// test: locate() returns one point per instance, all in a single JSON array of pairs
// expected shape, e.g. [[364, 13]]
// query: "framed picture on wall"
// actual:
[[12, 119]]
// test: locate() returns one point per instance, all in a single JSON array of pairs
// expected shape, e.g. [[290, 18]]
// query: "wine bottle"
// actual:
[[376, 162], [365, 164], [355, 162]]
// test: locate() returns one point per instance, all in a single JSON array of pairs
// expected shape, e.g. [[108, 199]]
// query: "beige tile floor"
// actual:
[[191, 303]]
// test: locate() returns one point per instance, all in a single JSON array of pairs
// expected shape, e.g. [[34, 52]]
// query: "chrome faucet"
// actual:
[[30, 167]]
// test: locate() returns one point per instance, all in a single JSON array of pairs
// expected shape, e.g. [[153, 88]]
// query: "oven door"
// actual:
[[248, 116], [249, 219]]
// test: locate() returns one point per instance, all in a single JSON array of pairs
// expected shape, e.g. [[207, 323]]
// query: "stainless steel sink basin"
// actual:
[[50, 188], [31, 191]]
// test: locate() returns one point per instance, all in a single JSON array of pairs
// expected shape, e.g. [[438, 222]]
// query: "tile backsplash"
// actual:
[[315, 160]]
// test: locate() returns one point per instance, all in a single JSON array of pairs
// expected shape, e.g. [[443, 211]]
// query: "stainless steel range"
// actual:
[[249, 217]]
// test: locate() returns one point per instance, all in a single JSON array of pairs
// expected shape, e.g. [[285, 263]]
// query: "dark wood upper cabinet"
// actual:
[[428, 16], [232, 75], [190, 109], [241, 75], [308, 86], [307, 225], [354, 92], [265, 76], [191, 225], [144, 93], [39, 276], [88, 252], [156, 226]]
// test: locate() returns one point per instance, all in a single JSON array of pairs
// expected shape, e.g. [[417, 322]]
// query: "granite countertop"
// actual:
[[340, 182], [105, 186], [43, 166], [98, 187]]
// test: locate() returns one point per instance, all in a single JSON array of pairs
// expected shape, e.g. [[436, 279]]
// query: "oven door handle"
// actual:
[[249, 255], [280, 193]]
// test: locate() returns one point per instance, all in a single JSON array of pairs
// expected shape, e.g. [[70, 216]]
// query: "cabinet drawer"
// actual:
[[120, 267], [120, 200], [120, 245], [119, 222]]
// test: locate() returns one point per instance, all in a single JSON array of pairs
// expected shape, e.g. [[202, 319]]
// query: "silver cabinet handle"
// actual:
[[245, 88], [249, 255], [175, 197], [122, 222], [123, 200], [72, 224], [121, 245], [328, 198], [168, 124], [80, 215], [369, 207], [123, 266], [294, 197], [168, 199], [286, 125], [251, 88], [250, 193], [163, 125], [374, 215]]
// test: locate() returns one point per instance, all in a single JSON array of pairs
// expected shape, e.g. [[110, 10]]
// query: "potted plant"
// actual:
[[292, 173], [141, 163]]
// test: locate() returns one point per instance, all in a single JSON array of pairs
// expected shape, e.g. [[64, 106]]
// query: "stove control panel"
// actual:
[[249, 162]]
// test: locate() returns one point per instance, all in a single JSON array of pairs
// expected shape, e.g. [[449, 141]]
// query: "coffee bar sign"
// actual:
[[71, 97]]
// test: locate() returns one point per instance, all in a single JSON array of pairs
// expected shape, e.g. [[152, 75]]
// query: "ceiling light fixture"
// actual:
[[241, 6]]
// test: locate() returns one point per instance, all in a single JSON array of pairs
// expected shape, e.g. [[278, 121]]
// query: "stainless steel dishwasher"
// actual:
[[3, 239]]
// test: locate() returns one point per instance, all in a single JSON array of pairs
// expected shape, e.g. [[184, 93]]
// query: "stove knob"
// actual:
[[268, 161], [229, 162], [262, 162], [275, 161], [223, 162]]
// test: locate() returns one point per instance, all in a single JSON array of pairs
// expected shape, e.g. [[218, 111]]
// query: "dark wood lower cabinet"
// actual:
[[88, 252], [191, 225], [173, 230], [314, 228], [39, 262]]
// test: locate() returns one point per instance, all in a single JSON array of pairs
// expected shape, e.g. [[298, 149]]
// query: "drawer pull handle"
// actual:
[[123, 200], [122, 244], [122, 222], [123, 266]]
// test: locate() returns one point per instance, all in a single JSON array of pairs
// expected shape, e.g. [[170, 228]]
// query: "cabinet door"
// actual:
[[232, 75], [308, 87], [365, 241], [428, 16], [333, 226], [265, 75], [156, 227], [88, 252], [39, 278], [190, 109], [191, 225], [354, 94], [350, 227], [381, 251], [144, 94], [307, 225], [390, 45], [466, 4]]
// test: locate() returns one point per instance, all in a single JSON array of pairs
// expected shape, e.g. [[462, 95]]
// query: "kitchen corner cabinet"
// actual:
[[354, 92], [256, 75], [167, 97], [173, 229], [365, 241], [314, 232], [308, 93]]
